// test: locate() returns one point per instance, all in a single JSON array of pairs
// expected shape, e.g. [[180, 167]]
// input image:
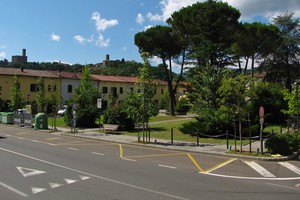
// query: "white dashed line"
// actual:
[[166, 166], [13, 190], [129, 159], [99, 154], [72, 148]]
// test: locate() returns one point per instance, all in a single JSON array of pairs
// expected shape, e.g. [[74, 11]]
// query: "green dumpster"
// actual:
[[41, 121], [8, 118]]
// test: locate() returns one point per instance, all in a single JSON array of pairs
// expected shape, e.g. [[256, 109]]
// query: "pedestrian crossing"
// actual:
[[261, 170], [290, 167], [264, 172]]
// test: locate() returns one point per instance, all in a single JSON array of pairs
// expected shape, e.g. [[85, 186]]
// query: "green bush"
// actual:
[[115, 115], [283, 144]]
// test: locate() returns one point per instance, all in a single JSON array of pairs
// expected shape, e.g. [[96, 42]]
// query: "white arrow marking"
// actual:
[[29, 172], [84, 177], [37, 190], [69, 181], [55, 185]]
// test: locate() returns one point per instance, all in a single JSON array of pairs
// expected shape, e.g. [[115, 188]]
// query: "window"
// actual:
[[51, 88], [70, 88], [114, 91], [104, 90], [162, 91], [33, 87], [121, 90]]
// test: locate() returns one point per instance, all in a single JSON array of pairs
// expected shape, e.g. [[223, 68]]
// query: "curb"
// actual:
[[173, 147]]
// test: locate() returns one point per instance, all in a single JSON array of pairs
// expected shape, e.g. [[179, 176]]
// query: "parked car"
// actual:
[[62, 111]]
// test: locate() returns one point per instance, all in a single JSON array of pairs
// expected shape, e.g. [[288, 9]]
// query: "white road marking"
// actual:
[[252, 178], [283, 186], [129, 159], [69, 181], [84, 177], [37, 190], [72, 148], [55, 185], [96, 176], [166, 166], [13, 190], [259, 169], [29, 172], [290, 167], [99, 154]]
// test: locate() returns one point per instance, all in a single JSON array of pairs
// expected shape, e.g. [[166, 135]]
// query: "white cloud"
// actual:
[[154, 17], [248, 8], [55, 37], [79, 39], [101, 42], [139, 19], [266, 8], [2, 54], [103, 24], [147, 27]]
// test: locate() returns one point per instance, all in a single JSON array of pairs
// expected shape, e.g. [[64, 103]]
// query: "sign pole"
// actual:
[[261, 115]]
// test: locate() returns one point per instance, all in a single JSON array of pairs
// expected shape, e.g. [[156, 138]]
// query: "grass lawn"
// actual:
[[59, 121], [161, 130]]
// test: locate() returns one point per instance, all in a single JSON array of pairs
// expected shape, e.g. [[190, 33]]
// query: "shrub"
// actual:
[[115, 115], [283, 144]]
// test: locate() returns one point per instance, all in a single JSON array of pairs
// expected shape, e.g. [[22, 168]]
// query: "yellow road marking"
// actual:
[[195, 162], [121, 151], [155, 155], [220, 165]]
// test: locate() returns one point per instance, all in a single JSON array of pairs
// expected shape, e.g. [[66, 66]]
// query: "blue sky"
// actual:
[[84, 31]]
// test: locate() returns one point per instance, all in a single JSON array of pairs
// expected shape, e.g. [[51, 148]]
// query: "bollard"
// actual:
[[172, 136], [197, 138]]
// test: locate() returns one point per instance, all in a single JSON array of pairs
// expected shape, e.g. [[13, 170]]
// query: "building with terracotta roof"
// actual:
[[113, 88], [28, 83]]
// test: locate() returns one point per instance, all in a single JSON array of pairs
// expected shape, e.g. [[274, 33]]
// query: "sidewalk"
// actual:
[[212, 149]]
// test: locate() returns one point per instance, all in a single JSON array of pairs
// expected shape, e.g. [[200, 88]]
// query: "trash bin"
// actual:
[[8, 118], [41, 121]]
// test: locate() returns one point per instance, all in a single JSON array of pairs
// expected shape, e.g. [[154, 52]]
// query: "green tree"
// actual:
[[253, 42], [16, 99], [85, 97], [235, 95], [282, 65], [204, 98], [41, 95], [167, 44], [140, 106], [209, 28]]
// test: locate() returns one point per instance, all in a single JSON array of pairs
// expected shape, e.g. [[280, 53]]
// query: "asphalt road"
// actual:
[[38, 165]]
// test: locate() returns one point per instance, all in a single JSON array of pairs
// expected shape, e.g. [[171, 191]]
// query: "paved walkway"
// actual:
[[214, 149]]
